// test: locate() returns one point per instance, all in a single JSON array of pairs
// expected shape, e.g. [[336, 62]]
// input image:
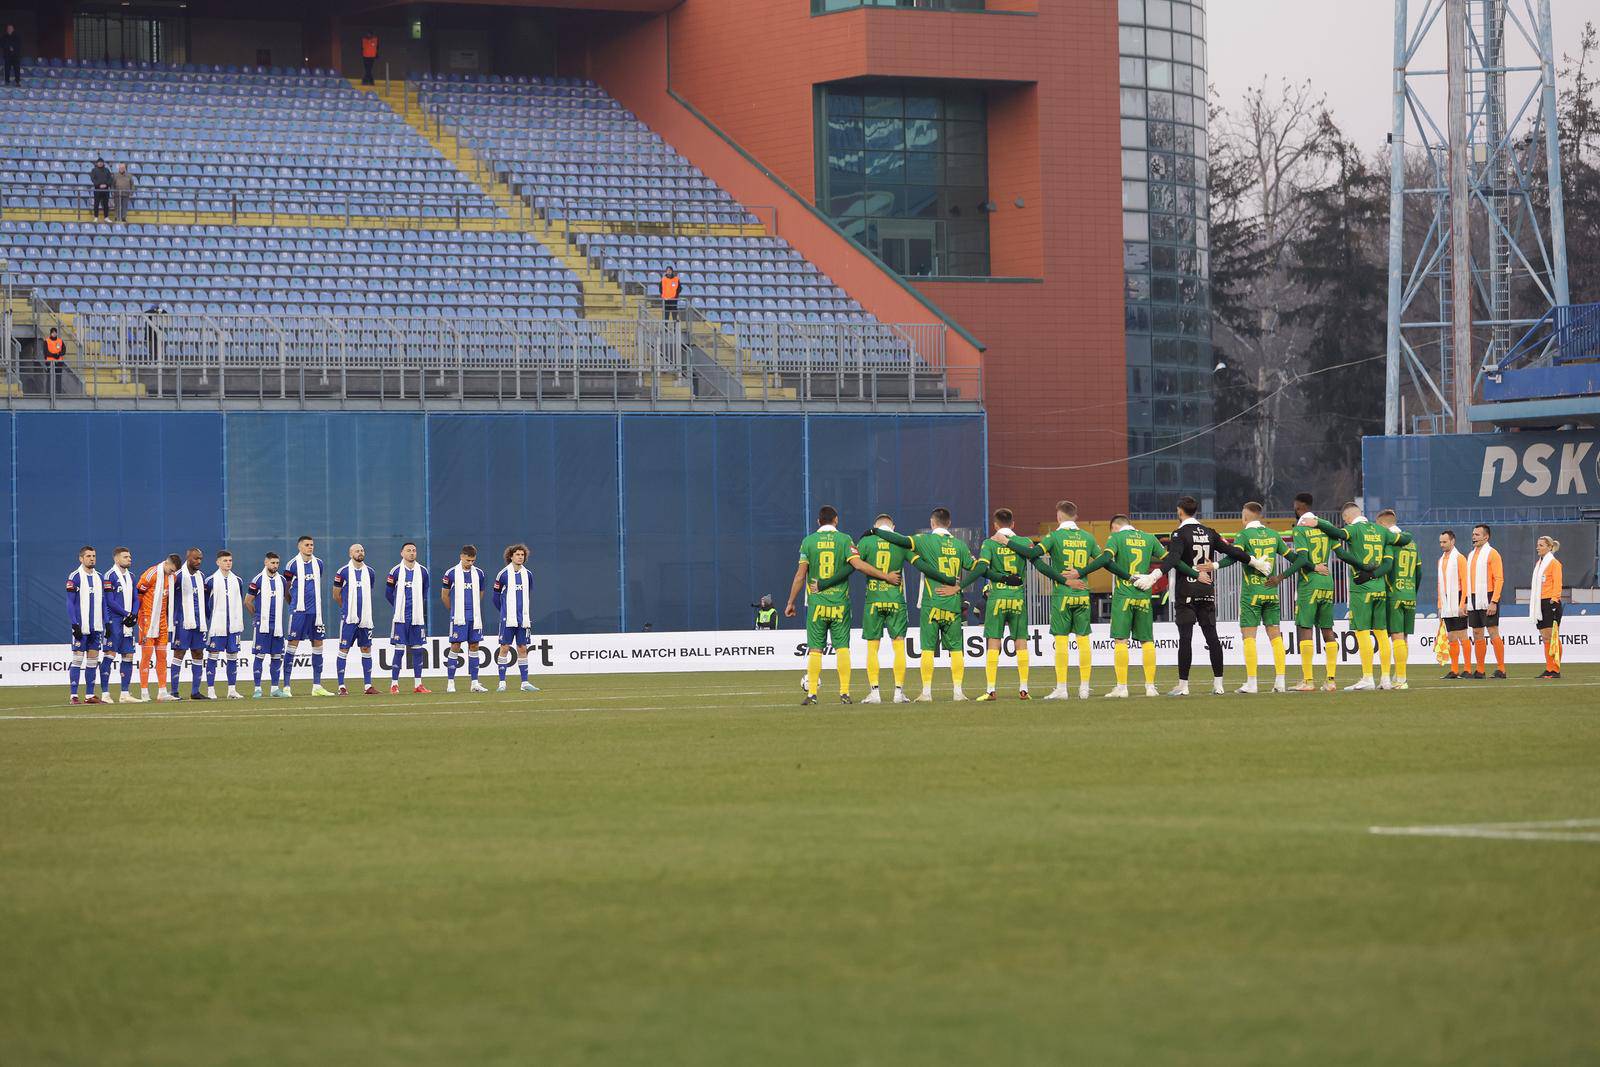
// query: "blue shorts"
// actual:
[[224, 643], [188, 640], [119, 642], [89, 642], [515, 635], [465, 635], [267, 645], [303, 627], [358, 636], [408, 635]]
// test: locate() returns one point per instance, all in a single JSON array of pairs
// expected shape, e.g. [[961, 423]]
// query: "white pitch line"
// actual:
[[1549, 830], [395, 714]]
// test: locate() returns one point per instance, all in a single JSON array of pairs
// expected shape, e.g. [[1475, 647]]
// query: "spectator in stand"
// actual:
[[122, 187], [55, 357], [369, 55], [100, 178], [671, 286], [11, 49]]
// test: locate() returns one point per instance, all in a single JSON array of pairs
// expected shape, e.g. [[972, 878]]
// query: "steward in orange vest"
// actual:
[[671, 286]]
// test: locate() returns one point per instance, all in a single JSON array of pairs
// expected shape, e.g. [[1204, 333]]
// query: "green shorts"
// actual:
[[940, 626], [1003, 617], [1313, 609], [1259, 609], [1369, 610], [1402, 616], [1069, 615], [1131, 617], [886, 614], [827, 620]]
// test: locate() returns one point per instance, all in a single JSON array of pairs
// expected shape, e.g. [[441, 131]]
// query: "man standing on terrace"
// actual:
[[369, 55], [671, 286]]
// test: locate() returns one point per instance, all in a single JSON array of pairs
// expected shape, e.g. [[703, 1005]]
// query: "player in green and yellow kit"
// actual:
[[1003, 560], [1361, 544], [1128, 554], [946, 562], [1258, 596], [1062, 549], [1402, 597], [885, 609], [1313, 602], [824, 556]]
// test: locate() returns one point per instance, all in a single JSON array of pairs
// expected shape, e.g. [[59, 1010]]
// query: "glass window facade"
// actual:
[[1166, 249], [903, 169]]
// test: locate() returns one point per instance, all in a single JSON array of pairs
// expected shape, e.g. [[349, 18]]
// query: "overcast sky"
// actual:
[[1345, 48]]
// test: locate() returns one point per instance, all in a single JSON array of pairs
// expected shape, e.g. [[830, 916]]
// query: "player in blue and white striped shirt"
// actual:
[[267, 599], [513, 596], [352, 591], [304, 575], [407, 590], [87, 615], [461, 589]]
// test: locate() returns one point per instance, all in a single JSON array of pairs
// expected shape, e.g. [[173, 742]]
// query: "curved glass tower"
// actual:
[[1166, 250]]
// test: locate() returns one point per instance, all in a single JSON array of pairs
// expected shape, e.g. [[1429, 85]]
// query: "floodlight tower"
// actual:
[[1454, 298]]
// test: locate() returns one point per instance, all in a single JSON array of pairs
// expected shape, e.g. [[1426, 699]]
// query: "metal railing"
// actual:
[[151, 203], [1569, 333], [131, 358], [640, 214]]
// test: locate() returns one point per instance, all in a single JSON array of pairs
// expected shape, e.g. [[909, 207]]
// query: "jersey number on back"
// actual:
[[825, 563]]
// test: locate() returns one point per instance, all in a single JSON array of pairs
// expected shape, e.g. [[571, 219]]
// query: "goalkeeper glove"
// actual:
[[1308, 519], [127, 623], [1145, 582], [1261, 564], [1363, 576], [1007, 579], [77, 632]]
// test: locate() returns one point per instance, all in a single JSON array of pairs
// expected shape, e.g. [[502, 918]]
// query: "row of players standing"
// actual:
[[1383, 591], [173, 605]]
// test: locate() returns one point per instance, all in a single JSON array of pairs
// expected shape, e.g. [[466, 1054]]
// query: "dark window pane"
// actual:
[[924, 168], [886, 200], [883, 106], [922, 107], [844, 133], [843, 103], [845, 162], [964, 137], [885, 133], [922, 133], [922, 201], [963, 105], [886, 166], [965, 170]]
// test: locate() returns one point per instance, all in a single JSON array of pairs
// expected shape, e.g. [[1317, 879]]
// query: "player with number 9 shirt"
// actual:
[[826, 555], [885, 609], [943, 559]]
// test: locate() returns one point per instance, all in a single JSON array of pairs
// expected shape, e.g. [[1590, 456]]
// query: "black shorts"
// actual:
[[1549, 614], [1203, 612], [1455, 625], [1479, 619]]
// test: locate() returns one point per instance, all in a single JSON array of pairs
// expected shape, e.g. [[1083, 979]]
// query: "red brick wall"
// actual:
[[1055, 383]]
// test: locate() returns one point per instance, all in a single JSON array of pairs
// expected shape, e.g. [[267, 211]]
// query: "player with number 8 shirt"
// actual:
[[825, 555]]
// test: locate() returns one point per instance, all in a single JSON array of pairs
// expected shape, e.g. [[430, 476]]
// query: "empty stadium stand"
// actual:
[[300, 236]]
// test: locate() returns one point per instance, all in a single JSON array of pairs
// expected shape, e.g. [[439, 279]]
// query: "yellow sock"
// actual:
[[958, 667], [1330, 657], [813, 670], [1149, 663], [1085, 659], [1381, 639], [1308, 654], [1120, 662], [1402, 651], [1249, 657], [1022, 667], [899, 663], [872, 664], [926, 666], [843, 660], [1278, 660], [991, 667], [1365, 645], [1063, 661]]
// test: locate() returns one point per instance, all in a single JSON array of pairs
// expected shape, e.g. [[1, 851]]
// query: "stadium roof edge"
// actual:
[[1580, 409]]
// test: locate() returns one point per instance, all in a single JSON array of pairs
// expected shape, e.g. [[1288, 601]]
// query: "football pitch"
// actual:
[[692, 869]]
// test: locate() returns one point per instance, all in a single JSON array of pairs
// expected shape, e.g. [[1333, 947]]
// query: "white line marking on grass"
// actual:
[[1551, 830], [394, 714]]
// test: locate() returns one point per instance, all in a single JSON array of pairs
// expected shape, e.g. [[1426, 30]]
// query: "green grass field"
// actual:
[[695, 870]]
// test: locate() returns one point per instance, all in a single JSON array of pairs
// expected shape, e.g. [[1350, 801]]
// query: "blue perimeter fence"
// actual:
[[679, 522]]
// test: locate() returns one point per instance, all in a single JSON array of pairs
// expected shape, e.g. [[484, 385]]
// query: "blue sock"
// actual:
[[395, 656], [90, 674], [316, 670], [416, 656], [522, 666], [105, 673], [211, 670], [175, 671], [279, 663], [75, 673], [127, 673], [452, 661], [256, 671], [472, 664], [366, 667], [194, 675], [338, 665], [288, 665], [233, 671], [502, 667]]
